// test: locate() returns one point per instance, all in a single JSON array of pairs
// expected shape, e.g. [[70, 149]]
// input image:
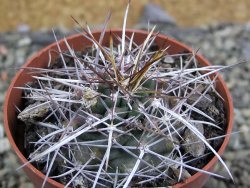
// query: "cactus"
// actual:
[[120, 115]]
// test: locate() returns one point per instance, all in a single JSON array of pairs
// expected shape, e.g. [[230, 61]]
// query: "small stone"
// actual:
[[10, 59], [2, 97], [155, 14], [247, 26], [24, 42], [4, 145], [26, 185], [229, 44], [43, 38], [213, 110], [1, 116], [168, 59], [22, 179], [184, 175], [10, 162], [231, 84], [88, 96], [40, 159], [33, 111], [1, 131], [234, 142], [3, 50], [202, 103], [206, 46], [218, 43], [192, 143], [21, 55], [246, 113], [3, 172], [81, 157], [12, 182], [221, 184], [212, 183], [79, 181], [223, 32], [245, 132], [238, 116]]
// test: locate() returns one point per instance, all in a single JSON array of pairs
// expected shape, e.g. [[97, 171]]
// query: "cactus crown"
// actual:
[[124, 114]]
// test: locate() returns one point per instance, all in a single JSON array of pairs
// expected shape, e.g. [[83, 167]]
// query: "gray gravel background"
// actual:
[[221, 44]]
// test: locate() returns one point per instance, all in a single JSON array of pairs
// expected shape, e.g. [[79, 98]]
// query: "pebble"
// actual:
[[42, 38], [237, 113], [223, 33], [10, 59], [155, 14], [1, 131], [218, 43], [21, 54], [234, 142], [3, 50], [192, 142], [26, 185], [247, 26], [3, 172], [203, 101], [11, 162], [168, 59], [24, 42], [4, 145], [229, 44], [2, 97], [245, 130], [221, 184], [246, 113], [212, 183]]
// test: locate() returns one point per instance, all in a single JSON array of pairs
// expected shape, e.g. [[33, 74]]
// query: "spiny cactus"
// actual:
[[121, 115]]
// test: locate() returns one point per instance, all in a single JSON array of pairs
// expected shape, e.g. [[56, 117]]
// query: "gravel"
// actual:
[[220, 43], [4, 145], [1, 131]]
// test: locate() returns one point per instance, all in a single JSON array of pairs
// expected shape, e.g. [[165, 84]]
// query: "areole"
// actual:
[[78, 42]]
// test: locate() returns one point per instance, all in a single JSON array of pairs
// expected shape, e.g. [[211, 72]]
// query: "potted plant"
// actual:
[[118, 108]]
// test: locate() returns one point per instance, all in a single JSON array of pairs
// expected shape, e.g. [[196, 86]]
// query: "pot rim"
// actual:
[[164, 37]]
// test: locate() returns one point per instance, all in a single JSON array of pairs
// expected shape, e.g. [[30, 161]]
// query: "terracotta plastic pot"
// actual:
[[15, 131]]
